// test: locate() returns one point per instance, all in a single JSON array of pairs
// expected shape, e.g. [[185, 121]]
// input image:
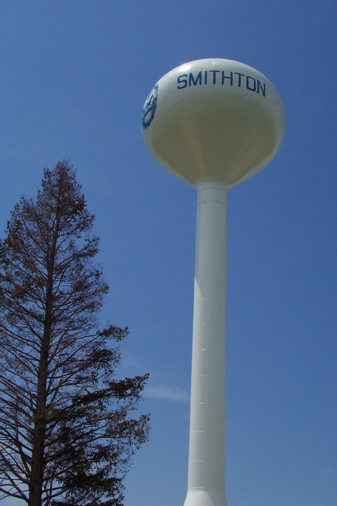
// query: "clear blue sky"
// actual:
[[74, 75]]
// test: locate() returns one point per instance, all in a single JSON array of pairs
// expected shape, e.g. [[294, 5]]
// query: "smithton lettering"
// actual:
[[209, 77]]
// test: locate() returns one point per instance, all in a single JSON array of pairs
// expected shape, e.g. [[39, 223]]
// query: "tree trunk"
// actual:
[[40, 416], [37, 467]]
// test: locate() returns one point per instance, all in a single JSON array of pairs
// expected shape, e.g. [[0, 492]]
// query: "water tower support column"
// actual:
[[206, 472]]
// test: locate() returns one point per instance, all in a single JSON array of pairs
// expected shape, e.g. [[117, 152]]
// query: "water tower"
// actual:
[[212, 123]]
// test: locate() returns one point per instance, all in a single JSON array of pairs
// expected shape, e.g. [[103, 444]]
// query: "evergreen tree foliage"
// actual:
[[67, 430]]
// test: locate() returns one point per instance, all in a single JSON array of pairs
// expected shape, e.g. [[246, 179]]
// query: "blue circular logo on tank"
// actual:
[[150, 107]]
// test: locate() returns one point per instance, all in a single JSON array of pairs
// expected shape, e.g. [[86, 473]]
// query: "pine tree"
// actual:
[[66, 431]]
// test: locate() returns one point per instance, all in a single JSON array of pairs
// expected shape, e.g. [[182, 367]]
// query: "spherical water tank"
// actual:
[[213, 119]]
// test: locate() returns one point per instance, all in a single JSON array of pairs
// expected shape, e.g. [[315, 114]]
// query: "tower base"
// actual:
[[205, 498]]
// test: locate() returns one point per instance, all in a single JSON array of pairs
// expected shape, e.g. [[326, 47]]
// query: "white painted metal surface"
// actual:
[[213, 118], [206, 472], [212, 123]]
